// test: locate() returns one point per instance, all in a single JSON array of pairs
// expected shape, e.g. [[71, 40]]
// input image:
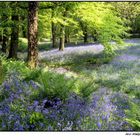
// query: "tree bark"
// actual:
[[32, 34], [14, 36]]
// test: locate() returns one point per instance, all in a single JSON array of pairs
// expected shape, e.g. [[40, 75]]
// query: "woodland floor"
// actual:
[[126, 56], [122, 74]]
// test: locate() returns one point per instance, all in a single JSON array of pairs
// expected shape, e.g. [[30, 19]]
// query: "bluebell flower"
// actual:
[[35, 103], [45, 111], [99, 125], [50, 128]]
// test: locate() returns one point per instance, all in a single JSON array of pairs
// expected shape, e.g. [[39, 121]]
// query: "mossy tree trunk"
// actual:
[[32, 34]]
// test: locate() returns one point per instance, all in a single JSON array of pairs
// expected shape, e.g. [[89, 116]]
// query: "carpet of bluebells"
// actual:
[[71, 53], [107, 108], [19, 111]]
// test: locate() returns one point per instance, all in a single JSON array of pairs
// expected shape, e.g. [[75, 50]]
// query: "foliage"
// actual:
[[55, 85], [101, 19], [104, 94], [132, 20], [10, 65], [44, 24], [1, 72], [23, 44], [133, 115], [19, 111]]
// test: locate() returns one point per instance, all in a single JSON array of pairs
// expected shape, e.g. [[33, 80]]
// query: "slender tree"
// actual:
[[62, 31], [53, 27], [14, 32], [62, 38], [32, 34], [67, 34], [84, 29]]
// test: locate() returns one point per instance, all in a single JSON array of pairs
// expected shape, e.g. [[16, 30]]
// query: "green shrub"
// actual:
[[55, 85], [8, 65], [60, 86], [85, 87], [2, 68], [31, 74], [11, 65]]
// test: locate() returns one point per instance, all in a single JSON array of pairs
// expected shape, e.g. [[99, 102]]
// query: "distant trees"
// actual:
[[10, 14], [101, 22], [4, 30], [65, 22], [130, 11]]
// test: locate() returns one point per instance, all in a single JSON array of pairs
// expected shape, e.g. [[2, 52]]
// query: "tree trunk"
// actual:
[[62, 32], [85, 33], [32, 34], [14, 36], [4, 41], [54, 41], [67, 35], [85, 36], [66, 39], [62, 38]]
